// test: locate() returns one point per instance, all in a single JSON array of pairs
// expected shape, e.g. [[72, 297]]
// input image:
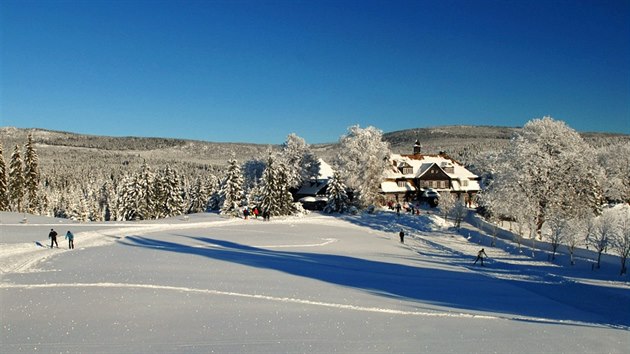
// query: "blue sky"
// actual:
[[255, 71]]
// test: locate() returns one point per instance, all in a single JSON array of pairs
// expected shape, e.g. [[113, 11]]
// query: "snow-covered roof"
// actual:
[[312, 187], [393, 187], [325, 170], [422, 163]]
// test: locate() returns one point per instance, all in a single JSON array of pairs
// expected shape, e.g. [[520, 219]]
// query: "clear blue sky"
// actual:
[[255, 71]]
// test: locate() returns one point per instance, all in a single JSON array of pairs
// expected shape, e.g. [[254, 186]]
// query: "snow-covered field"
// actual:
[[316, 284]]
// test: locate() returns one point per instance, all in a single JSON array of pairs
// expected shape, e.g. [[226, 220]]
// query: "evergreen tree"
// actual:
[[31, 176], [169, 194], [147, 201], [198, 197], [232, 190], [16, 181], [275, 197], [4, 188], [338, 201], [127, 199]]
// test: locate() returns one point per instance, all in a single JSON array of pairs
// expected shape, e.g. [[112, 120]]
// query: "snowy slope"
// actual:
[[316, 284]]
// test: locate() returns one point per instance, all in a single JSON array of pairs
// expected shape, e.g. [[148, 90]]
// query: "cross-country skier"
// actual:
[[70, 238], [53, 238], [480, 256]]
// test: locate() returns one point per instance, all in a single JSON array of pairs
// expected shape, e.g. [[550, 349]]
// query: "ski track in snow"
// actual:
[[23, 257], [442, 314]]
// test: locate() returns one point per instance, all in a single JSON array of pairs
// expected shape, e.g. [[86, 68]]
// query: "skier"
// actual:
[[402, 236], [245, 213], [53, 238], [70, 238], [480, 256], [256, 212]]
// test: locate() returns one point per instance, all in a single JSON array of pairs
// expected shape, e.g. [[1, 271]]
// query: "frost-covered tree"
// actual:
[[31, 176], [274, 195], [459, 212], [447, 203], [621, 240], [551, 165], [136, 199], [615, 160], [4, 187], [127, 199], [602, 232], [16, 181], [338, 201], [147, 201], [198, 197], [574, 235], [362, 161], [301, 164], [169, 193], [558, 224], [232, 190]]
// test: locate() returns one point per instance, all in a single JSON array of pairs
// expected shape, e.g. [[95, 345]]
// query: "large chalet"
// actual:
[[408, 177]]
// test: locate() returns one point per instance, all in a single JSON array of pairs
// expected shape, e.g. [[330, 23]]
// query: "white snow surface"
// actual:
[[314, 284]]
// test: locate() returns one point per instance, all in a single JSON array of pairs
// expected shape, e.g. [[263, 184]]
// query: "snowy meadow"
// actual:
[[313, 284]]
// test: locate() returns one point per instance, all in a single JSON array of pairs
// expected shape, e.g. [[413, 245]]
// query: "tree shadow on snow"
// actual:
[[449, 288]]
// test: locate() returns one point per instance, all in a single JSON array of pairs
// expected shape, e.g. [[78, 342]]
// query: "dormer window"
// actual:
[[407, 170]]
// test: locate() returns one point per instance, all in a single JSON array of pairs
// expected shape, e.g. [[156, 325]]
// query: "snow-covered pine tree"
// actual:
[[31, 176], [216, 196], [362, 162], [285, 198], [4, 188], [168, 194], [197, 197], [274, 196], [16, 181], [338, 201], [127, 199], [147, 202], [232, 190]]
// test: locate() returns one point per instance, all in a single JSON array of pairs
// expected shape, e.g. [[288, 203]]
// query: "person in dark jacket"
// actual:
[[52, 235], [70, 238], [402, 236]]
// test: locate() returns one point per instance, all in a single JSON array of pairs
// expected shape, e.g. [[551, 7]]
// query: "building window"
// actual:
[[443, 184], [401, 183], [465, 183], [407, 170]]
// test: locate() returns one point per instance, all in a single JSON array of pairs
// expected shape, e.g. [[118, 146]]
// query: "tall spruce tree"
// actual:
[[16, 181], [275, 197], [31, 176], [198, 197], [169, 193], [338, 201], [232, 190], [4, 188], [147, 202]]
